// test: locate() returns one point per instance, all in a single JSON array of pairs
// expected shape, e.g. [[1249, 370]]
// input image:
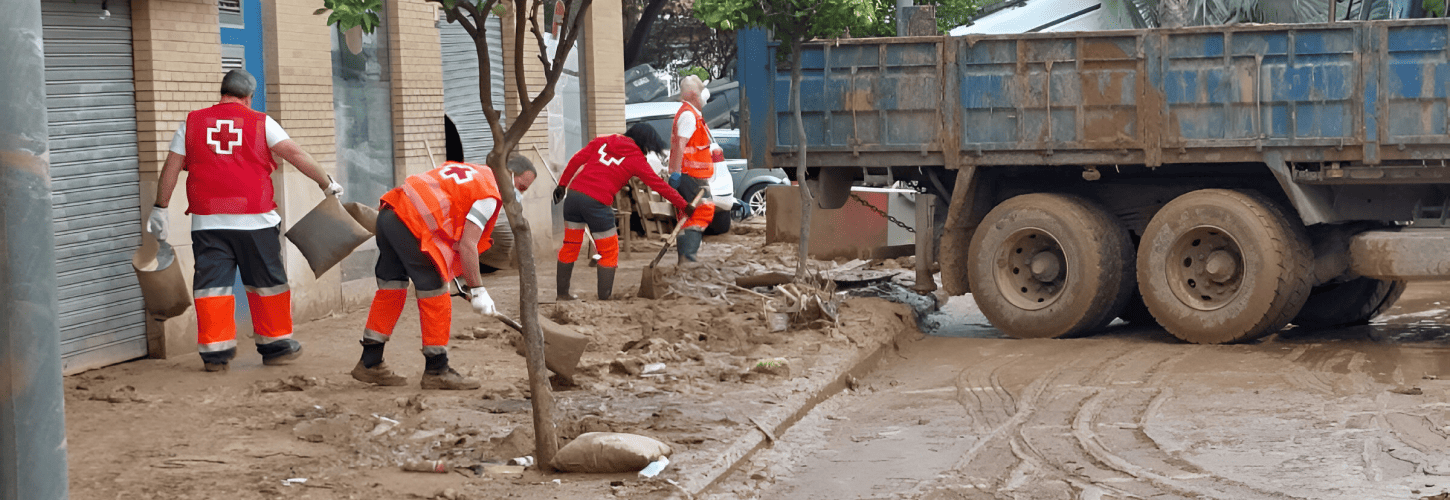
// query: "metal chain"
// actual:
[[883, 214]]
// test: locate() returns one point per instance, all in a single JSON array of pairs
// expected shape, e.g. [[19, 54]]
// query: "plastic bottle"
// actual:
[[438, 466]]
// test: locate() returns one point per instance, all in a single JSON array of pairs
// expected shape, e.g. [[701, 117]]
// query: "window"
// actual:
[[229, 13]]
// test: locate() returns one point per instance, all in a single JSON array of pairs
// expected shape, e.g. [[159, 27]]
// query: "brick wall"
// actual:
[[417, 85], [604, 67], [177, 50]]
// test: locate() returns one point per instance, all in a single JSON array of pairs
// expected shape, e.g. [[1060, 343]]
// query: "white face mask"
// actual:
[[518, 195], [705, 95]]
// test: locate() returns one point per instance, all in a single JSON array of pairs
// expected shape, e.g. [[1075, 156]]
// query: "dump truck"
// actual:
[[1223, 181]]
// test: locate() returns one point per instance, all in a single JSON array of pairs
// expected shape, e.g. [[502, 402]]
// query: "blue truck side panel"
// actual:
[[754, 62], [1366, 92]]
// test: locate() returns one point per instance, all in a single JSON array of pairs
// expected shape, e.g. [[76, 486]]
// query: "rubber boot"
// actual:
[[688, 242], [606, 282], [372, 370], [218, 361], [438, 375], [561, 281], [280, 352]]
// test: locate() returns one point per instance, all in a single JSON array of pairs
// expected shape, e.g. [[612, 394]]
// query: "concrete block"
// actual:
[[852, 231]]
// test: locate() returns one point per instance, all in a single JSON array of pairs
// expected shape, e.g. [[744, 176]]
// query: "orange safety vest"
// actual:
[[698, 163], [435, 204]]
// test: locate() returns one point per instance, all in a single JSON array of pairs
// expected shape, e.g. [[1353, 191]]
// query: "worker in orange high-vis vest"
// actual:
[[692, 164], [430, 230], [587, 189], [227, 151]]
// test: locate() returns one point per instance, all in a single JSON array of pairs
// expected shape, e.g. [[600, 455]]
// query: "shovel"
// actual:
[[562, 345], [648, 280]]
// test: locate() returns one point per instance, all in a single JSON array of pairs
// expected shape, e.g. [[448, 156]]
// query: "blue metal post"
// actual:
[[32, 406]]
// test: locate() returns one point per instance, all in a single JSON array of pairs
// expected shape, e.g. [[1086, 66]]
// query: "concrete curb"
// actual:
[[796, 407]]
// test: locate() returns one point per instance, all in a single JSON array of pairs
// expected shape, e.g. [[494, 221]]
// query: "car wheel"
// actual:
[[754, 201]]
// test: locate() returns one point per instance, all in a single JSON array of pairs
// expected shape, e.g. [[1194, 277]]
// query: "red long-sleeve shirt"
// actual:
[[607, 163]]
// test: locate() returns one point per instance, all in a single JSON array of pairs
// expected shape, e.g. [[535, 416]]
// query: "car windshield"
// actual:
[[731, 145]]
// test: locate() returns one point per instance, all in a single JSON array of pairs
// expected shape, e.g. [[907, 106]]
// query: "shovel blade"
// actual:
[[649, 284]]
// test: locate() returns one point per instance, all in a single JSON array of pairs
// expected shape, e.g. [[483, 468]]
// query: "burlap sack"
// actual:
[[163, 287], [327, 234], [563, 346], [607, 452], [364, 215]]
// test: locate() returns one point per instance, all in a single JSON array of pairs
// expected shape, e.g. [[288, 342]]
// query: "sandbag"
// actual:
[[563, 346], [606, 452], [365, 216], [327, 234], [163, 287]]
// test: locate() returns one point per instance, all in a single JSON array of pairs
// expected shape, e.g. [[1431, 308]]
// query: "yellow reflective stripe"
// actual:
[[218, 346], [268, 291], [421, 207]]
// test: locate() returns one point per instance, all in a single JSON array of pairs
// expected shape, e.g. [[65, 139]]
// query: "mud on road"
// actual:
[[1355, 413], [163, 429]]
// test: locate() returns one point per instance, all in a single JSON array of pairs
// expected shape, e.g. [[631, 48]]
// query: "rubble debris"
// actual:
[[295, 383], [120, 394], [434, 466]]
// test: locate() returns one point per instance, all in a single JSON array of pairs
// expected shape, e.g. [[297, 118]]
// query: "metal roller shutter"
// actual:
[[91, 100], [460, 84]]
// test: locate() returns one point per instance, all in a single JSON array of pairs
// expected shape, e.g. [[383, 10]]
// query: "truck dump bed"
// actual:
[[1364, 93]]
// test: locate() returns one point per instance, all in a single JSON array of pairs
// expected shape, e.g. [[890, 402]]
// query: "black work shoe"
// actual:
[[216, 361], [280, 352], [216, 367]]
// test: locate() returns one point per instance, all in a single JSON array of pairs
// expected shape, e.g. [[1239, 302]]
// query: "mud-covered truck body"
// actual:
[[1224, 181]]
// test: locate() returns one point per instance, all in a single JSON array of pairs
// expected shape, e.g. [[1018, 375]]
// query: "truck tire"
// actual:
[[1050, 266], [1353, 302], [1218, 266]]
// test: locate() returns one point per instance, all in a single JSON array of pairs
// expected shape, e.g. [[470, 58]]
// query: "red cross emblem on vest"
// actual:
[[223, 137], [458, 174]]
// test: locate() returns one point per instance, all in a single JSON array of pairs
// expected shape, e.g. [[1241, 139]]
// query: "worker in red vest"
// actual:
[[227, 151], [692, 163], [430, 230], [587, 189]]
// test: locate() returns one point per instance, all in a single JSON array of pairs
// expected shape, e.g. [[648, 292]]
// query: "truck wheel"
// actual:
[[1353, 302], [1218, 266], [1050, 265]]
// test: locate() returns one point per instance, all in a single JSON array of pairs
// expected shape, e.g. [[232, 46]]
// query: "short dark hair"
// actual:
[[646, 138], [518, 164], [238, 84]]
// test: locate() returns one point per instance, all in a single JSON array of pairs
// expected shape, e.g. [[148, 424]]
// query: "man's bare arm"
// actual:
[[170, 172], [293, 153]]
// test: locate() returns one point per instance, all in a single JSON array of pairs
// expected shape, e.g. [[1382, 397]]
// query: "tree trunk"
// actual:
[[634, 46], [546, 442], [807, 201]]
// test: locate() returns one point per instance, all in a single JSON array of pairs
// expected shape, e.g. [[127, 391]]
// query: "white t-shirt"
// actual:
[[685, 124], [275, 134], [481, 210]]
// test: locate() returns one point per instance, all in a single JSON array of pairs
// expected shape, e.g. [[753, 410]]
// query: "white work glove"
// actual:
[[482, 302], [333, 188], [156, 223]]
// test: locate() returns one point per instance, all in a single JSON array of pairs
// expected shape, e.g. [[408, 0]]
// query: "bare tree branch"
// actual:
[[468, 23], [522, 84], [539, 35]]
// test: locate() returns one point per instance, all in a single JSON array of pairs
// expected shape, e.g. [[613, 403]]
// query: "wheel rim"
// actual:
[[1205, 268], [757, 202], [1031, 269]]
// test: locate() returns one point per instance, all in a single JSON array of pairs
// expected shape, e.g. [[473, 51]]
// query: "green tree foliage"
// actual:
[[791, 19]]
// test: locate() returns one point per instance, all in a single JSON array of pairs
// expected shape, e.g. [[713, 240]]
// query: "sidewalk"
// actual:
[[165, 429]]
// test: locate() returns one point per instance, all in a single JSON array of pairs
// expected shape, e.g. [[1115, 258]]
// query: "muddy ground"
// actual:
[[163, 429], [1352, 413]]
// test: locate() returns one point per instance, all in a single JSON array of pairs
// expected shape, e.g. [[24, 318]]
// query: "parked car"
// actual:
[[750, 183]]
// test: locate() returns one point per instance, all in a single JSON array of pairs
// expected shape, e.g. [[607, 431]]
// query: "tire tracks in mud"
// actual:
[[1080, 427]]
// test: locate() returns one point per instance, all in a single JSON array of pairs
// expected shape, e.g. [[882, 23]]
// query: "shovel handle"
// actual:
[[676, 232], [510, 322]]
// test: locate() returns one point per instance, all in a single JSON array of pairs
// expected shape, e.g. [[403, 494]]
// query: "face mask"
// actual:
[[705, 95], [518, 195]]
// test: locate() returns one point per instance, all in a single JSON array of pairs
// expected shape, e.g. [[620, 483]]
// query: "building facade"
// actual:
[[121, 75]]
